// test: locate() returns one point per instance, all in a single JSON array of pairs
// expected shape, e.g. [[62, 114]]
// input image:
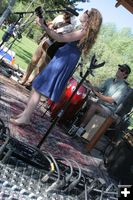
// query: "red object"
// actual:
[[75, 104]]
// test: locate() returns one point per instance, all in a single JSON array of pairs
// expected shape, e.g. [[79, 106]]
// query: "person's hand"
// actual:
[[40, 21], [94, 89], [98, 94]]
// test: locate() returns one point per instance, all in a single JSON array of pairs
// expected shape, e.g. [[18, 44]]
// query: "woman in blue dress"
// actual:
[[53, 79]]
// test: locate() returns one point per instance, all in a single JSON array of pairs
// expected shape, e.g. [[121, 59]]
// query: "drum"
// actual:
[[75, 104]]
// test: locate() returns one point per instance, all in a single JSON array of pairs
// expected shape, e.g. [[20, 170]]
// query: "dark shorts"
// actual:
[[6, 37]]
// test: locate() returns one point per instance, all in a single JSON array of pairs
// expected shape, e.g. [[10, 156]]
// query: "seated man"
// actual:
[[62, 24], [110, 95]]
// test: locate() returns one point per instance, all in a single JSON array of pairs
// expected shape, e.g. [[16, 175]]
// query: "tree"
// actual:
[[7, 11], [114, 47]]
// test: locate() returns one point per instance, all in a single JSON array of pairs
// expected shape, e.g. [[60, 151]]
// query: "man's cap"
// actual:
[[126, 68]]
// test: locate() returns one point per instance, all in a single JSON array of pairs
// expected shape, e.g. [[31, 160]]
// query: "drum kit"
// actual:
[[76, 104]]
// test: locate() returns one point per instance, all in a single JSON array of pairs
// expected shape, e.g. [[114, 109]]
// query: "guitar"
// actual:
[[53, 48], [50, 50]]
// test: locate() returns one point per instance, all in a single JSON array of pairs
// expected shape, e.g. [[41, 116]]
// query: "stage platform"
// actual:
[[13, 98]]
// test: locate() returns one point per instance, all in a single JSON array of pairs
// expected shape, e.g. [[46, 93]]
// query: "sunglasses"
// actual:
[[122, 70]]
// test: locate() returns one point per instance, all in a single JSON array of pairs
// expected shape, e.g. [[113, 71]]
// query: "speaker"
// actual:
[[92, 127], [119, 161]]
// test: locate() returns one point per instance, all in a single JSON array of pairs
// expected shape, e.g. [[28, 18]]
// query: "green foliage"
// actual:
[[114, 47], [25, 5], [3, 5], [23, 49], [131, 123]]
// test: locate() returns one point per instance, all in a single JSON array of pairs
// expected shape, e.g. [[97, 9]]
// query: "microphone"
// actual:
[[74, 12], [71, 10], [23, 13]]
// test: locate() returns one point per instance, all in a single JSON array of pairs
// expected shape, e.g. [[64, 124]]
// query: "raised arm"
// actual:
[[68, 37]]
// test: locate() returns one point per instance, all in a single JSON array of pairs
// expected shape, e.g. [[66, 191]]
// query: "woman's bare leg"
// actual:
[[32, 65], [44, 60], [24, 117]]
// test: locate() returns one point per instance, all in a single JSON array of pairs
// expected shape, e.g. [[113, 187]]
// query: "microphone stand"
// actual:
[[60, 10], [11, 44], [92, 66], [48, 11], [22, 13]]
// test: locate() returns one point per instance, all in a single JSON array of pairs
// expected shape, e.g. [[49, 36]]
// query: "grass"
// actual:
[[23, 50]]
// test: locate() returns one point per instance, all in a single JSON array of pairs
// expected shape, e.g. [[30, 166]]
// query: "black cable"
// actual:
[[2, 127], [4, 136], [3, 146]]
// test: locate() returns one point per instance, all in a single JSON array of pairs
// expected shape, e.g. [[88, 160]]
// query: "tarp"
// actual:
[[7, 55]]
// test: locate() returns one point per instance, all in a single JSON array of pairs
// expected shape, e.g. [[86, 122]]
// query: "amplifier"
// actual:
[[119, 160], [92, 127]]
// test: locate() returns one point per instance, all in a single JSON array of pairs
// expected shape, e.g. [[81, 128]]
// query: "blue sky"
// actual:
[[119, 16]]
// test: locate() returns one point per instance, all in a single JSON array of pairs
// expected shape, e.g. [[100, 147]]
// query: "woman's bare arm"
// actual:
[[69, 37]]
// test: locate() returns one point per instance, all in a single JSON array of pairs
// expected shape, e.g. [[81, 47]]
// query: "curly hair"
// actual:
[[93, 27]]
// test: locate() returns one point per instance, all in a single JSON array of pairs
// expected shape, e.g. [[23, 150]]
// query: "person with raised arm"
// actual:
[[110, 94], [53, 79]]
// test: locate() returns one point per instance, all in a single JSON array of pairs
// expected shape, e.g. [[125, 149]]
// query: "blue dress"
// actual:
[[53, 78]]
